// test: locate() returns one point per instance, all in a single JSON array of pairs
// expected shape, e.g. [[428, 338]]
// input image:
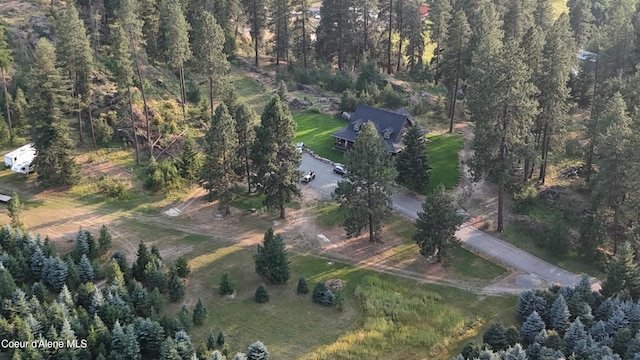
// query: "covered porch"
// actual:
[[342, 144]]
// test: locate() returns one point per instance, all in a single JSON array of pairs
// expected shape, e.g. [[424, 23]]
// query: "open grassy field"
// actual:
[[443, 157], [383, 316], [314, 129]]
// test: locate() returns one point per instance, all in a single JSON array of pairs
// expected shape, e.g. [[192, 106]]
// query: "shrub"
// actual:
[[348, 100], [422, 107], [193, 92], [524, 197], [322, 295], [162, 176], [104, 128], [262, 294], [339, 82], [391, 99], [112, 187], [226, 284], [302, 286]]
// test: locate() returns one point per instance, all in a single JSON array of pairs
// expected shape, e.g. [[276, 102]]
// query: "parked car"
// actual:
[[308, 177], [340, 170], [299, 146]]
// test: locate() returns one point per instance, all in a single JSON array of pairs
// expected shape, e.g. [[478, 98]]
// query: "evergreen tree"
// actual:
[[257, 351], [124, 72], [415, 28], [221, 143], [412, 163], [189, 163], [496, 337], [501, 102], [217, 355], [256, 17], [124, 344], [558, 60], [622, 276], [543, 15], [271, 259], [174, 35], [129, 19], [518, 18], [262, 294], [220, 339], [138, 297], [436, 224], [208, 41], [200, 313], [6, 61], [582, 21], [36, 263], [211, 341], [54, 273], [455, 46], [181, 267], [531, 327], [143, 258], [19, 110], [226, 284], [274, 156], [176, 288], [560, 315], [54, 161], [614, 185], [301, 32], [150, 335], [366, 193], [440, 13], [575, 333], [303, 288], [335, 30], [280, 15], [82, 246], [104, 241], [150, 17], [245, 118], [618, 52], [86, 270], [73, 49], [14, 210]]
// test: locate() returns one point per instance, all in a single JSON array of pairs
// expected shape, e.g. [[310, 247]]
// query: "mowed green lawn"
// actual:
[[315, 131], [384, 316], [443, 157]]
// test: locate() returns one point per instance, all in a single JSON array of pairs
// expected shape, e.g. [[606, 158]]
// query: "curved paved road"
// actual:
[[473, 238]]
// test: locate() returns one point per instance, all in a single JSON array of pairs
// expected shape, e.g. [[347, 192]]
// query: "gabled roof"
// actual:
[[391, 121]]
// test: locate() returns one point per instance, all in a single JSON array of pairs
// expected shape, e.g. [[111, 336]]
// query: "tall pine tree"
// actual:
[[174, 35], [207, 40], [274, 156], [365, 195], [220, 148], [502, 105], [54, 159]]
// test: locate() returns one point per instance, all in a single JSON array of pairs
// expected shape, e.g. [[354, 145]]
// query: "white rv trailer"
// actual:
[[24, 167], [20, 155]]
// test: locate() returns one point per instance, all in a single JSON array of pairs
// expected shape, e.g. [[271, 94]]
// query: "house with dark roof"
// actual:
[[391, 126]]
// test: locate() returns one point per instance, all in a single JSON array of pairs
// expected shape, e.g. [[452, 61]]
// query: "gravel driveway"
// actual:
[[503, 252]]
